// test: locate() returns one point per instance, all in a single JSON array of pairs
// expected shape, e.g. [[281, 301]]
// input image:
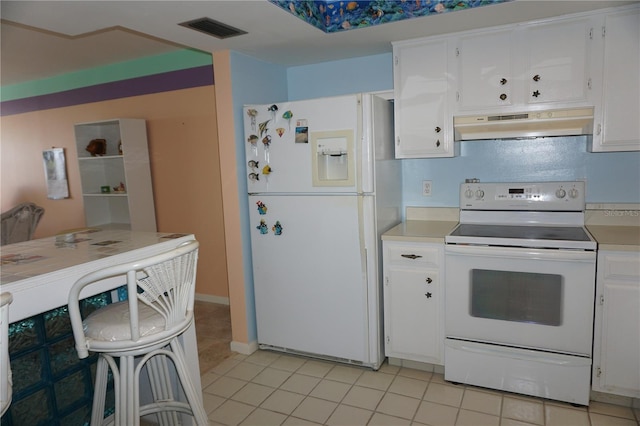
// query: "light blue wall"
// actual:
[[364, 74], [253, 82], [610, 177]]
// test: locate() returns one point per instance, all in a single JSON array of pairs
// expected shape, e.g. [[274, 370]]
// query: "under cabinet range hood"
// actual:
[[559, 122]]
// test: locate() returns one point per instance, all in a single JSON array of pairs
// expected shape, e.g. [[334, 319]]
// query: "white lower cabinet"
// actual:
[[413, 301], [616, 349]]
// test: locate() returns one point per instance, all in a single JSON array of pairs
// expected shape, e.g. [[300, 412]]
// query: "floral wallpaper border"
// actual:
[[341, 15]]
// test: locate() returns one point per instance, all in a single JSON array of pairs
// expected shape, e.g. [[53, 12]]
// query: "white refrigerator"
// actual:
[[323, 185]]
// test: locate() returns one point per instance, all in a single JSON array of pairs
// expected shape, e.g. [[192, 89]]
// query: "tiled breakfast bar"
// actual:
[[50, 384]]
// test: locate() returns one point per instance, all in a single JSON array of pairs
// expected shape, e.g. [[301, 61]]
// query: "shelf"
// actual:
[[100, 157], [126, 162]]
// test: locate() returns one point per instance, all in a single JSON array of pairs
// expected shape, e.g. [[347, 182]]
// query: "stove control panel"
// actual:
[[535, 196]]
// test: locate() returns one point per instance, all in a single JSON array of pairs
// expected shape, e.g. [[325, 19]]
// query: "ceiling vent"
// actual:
[[213, 28]]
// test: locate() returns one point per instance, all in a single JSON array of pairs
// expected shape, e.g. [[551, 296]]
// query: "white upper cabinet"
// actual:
[[483, 65], [616, 123], [522, 67], [423, 124], [557, 61]]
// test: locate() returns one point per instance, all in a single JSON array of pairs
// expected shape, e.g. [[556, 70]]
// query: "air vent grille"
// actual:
[[213, 28]]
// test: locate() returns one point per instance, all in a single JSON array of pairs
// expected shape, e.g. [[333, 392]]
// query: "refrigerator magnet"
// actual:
[[277, 228], [252, 113], [302, 131], [263, 228], [262, 209], [280, 131], [273, 109], [263, 127], [254, 177], [288, 115]]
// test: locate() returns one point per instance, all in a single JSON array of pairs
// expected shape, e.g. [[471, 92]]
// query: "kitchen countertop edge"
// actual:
[[424, 231]]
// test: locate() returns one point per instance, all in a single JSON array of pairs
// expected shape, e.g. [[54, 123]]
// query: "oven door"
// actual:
[[520, 297]]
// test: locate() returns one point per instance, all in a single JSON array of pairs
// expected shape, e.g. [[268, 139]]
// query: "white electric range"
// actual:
[[520, 285]]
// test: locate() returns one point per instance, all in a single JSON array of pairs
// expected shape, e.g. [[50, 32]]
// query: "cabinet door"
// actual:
[[617, 340], [557, 60], [412, 315], [484, 69], [421, 86], [619, 129]]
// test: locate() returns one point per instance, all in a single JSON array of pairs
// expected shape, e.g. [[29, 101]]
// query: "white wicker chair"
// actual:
[[6, 387], [19, 223], [142, 331]]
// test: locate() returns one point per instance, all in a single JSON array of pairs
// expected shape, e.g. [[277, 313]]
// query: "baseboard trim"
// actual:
[[244, 348], [212, 299]]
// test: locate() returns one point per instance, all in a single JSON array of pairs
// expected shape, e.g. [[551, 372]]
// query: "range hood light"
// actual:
[[527, 125]]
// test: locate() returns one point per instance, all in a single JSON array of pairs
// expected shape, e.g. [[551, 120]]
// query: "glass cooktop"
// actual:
[[521, 232]]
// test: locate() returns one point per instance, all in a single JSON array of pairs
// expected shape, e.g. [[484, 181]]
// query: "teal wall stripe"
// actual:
[[156, 83], [157, 64]]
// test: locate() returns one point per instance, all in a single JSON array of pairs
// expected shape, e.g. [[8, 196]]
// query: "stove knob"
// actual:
[[561, 193], [573, 193], [479, 193], [468, 193]]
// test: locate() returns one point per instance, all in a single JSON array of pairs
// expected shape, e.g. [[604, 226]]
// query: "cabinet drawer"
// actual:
[[412, 255]]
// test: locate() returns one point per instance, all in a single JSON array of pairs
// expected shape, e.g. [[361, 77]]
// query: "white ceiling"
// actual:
[[42, 39]]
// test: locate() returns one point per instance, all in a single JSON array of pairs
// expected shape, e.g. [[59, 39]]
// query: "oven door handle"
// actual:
[[519, 253]]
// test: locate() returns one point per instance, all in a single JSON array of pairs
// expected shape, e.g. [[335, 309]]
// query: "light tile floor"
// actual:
[[270, 388]]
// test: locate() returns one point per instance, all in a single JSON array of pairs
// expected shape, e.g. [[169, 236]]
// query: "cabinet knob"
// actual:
[[503, 96], [536, 77], [535, 94], [503, 81], [411, 256], [438, 129], [429, 280], [438, 143], [428, 295]]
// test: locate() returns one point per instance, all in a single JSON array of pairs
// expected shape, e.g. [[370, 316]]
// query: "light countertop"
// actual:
[[616, 238], [425, 231], [615, 227]]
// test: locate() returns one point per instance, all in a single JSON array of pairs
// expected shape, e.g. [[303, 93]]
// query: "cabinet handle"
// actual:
[[428, 295], [429, 280], [536, 77], [535, 94], [411, 256], [438, 129], [503, 81], [503, 97]]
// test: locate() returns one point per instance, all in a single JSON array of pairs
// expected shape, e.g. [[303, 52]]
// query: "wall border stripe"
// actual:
[[156, 83]]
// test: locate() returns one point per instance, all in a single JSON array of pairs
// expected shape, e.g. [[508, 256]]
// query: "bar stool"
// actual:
[[142, 331], [6, 387]]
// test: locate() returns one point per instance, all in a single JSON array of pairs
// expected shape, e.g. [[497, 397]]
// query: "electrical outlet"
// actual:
[[426, 188]]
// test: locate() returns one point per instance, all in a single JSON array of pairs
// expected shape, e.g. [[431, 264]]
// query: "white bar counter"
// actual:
[[40, 273]]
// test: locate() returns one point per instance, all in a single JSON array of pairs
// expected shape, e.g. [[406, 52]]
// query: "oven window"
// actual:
[[517, 296]]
